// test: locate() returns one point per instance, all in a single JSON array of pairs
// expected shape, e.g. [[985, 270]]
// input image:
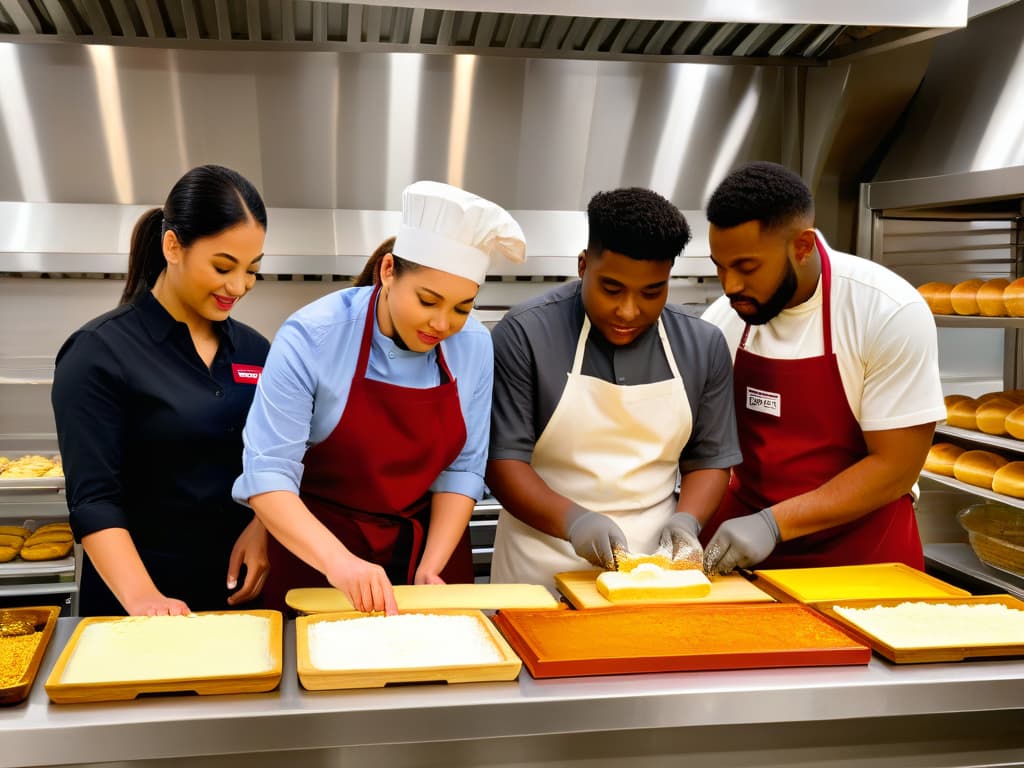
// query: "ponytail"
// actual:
[[146, 256], [371, 272]]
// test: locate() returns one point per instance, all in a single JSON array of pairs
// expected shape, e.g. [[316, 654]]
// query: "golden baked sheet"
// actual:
[[21, 650]]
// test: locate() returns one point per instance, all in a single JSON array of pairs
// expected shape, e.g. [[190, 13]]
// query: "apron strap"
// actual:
[[577, 360], [367, 340]]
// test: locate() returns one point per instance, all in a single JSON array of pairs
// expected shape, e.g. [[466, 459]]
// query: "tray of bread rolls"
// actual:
[[24, 470], [982, 303], [20, 545]]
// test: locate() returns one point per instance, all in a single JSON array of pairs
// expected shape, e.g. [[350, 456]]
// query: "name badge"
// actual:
[[246, 374], [764, 402]]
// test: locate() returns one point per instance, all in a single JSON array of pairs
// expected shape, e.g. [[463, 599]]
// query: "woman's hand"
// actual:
[[250, 549], [365, 583], [156, 605], [424, 576]]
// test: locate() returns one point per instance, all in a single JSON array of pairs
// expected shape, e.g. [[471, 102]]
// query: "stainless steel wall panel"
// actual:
[[328, 130]]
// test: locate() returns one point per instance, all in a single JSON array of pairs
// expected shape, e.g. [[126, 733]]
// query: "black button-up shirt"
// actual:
[[150, 437]]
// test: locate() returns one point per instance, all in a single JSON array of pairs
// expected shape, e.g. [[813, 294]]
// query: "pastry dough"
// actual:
[[648, 582]]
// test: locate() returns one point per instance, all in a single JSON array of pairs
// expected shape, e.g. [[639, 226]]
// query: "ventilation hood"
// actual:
[[808, 31]]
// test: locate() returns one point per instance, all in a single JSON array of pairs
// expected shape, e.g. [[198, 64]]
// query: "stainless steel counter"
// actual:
[[968, 713]]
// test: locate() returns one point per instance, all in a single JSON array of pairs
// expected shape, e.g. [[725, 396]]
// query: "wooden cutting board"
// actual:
[[580, 589], [426, 597], [855, 582], [676, 638], [937, 649], [315, 679], [123, 690]]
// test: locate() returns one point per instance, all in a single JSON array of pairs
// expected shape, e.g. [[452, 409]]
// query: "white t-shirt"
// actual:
[[883, 335]]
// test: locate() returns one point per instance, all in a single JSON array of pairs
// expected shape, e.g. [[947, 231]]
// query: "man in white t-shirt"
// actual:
[[836, 386]]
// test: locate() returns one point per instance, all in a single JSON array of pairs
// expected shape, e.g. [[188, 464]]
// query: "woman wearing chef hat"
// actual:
[[366, 444]]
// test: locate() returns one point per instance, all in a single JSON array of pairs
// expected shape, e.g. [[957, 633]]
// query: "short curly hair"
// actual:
[[760, 191], [637, 223]]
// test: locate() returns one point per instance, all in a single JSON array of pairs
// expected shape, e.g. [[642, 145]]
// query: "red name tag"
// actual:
[[246, 374]]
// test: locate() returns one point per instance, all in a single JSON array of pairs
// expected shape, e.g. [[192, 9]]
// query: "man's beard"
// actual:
[[775, 304]]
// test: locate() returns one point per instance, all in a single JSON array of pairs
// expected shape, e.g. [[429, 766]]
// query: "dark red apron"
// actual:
[[808, 436], [369, 481]]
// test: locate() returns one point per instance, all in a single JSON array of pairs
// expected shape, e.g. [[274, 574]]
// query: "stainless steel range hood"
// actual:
[[807, 31]]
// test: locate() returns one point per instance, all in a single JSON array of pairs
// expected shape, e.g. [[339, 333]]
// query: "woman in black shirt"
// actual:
[[150, 400]]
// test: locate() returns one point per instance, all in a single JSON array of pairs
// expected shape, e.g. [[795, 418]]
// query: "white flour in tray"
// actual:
[[933, 625], [398, 642]]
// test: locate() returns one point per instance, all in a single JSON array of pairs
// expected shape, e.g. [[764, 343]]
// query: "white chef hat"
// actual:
[[447, 228]]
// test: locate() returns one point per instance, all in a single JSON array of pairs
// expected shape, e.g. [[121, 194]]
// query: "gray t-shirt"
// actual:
[[534, 346]]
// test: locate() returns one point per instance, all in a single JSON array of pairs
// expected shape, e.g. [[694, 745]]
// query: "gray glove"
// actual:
[[679, 538], [595, 537], [742, 542]]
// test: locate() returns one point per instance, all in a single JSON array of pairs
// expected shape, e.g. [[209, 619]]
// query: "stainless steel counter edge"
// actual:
[[40, 733]]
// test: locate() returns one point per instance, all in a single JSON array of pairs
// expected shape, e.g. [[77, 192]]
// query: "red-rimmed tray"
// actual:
[[676, 638], [44, 618]]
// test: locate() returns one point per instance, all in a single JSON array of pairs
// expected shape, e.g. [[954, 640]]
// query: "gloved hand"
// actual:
[[679, 538], [742, 542], [595, 537]]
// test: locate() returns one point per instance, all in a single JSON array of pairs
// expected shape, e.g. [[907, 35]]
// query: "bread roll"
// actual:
[[11, 540], [1013, 395], [942, 457], [990, 297], [47, 551], [977, 467], [7, 553], [936, 295], [964, 297], [991, 415], [963, 414], [1013, 298], [48, 537], [954, 399], [1015, 423], [1009, 479], [15, 530]]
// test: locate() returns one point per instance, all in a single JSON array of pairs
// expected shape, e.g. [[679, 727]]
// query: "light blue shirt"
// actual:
[[305, 384]]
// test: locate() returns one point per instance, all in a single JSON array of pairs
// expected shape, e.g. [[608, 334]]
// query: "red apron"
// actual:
[[369, 481], [797, 432]]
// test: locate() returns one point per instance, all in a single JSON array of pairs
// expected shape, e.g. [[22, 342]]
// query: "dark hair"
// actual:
[[760, 191], [204, 202], [637, 223], [371, 272]]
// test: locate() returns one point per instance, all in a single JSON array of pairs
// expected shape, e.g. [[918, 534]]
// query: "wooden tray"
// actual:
[[663, 638], [916, 655], [124, 690], [430, 597], [877, 581], [316, 679], [580, 589], [45, 620]]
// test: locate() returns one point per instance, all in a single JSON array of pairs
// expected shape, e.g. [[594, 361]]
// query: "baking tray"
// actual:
[[124, 690], [315, 679], [29, 483], [854, 582], [429, 597], [676, 638], [580, 589], [45, 620], [918, 654]]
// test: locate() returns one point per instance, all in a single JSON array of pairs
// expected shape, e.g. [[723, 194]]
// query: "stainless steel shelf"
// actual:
[[972, 321], [960, 558], [974, 436], [47, 588], [22, 568], [974, 490]]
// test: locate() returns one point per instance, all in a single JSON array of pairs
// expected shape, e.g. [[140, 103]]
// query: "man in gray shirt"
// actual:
[[604, 399]]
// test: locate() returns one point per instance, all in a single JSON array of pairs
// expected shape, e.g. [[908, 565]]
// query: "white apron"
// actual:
[[611, 449]]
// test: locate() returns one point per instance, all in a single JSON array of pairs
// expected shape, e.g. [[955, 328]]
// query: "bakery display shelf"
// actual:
[[974, 490], [960, 559], [976, 321], [31, 484], [20, 568], [974, 436]]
